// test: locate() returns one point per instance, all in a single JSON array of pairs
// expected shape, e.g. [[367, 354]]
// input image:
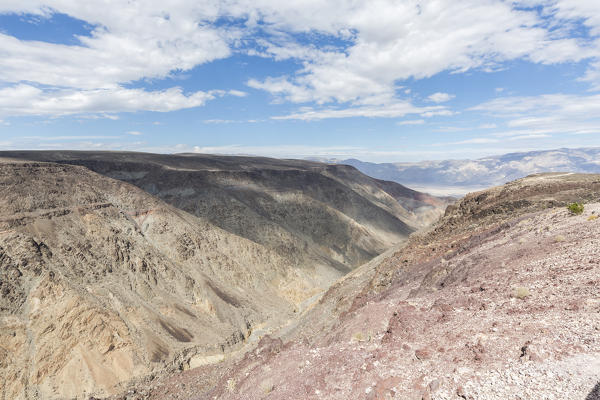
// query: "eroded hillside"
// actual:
[[313, 214], [500, 299], [104, 281]]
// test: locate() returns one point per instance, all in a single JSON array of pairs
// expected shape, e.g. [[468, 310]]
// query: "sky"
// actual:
[[377, 80]]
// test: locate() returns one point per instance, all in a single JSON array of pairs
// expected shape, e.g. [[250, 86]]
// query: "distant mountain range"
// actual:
[[457, 177]]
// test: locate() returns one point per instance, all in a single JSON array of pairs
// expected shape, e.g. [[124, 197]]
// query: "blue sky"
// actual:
[[382, 80]]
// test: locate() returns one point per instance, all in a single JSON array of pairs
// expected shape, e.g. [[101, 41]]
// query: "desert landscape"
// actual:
[[104, 282], [300, 200], [141, 276], [497, 300]]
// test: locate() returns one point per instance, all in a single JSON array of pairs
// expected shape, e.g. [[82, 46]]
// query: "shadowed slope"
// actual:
[[323, 216]]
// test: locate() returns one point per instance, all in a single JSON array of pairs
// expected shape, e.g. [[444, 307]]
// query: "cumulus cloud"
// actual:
[[130, 41], [23, 100], [440, 97], [357, 53], [392, 41]]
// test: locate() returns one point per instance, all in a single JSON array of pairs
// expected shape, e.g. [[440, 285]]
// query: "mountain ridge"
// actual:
[[457, 177]]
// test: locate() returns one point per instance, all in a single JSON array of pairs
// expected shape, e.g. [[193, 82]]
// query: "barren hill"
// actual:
[[499, 300], [115, 265]]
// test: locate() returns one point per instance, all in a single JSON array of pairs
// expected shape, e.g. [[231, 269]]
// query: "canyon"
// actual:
[[117, 266]]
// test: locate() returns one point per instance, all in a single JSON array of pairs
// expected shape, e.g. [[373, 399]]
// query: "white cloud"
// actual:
[[487, 126], [134, 133], [440, 97], [230, 121], [552, 105], [22, 100], [546, 114], [237, 93], [440, 112], [131, 41], [379, 44], [592, 75], [100, 116], [411, 122], [393, 110], [218, 121], [529, 136], [392, 41], [588, 11]]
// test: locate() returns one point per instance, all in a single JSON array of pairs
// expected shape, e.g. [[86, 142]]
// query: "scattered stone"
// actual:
[[423, 354], [434, 385]]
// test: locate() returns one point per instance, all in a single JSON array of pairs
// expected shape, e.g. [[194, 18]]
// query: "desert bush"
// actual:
[[521, 293], [575, 208], [231, 385], [358, 337], [592, 217]]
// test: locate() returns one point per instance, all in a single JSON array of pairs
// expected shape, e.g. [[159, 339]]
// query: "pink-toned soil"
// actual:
[[515, 316]]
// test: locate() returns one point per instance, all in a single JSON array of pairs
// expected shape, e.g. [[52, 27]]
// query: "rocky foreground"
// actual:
[[499, 300]]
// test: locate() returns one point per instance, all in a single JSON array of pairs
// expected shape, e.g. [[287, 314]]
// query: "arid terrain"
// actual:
[[300, 200], [141, 276], [116, 267], [499, 299]]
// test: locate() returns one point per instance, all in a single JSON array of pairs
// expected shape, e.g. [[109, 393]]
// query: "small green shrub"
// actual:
[[575, 208]]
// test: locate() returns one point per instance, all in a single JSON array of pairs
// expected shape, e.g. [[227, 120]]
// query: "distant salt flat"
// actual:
[[454, 191]]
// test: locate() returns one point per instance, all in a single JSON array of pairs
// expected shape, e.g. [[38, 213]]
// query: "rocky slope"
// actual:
[[500, 299], [104, 281], [311, 213]]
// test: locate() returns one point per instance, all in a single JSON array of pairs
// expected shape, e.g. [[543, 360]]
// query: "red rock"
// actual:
[[423, 354]]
